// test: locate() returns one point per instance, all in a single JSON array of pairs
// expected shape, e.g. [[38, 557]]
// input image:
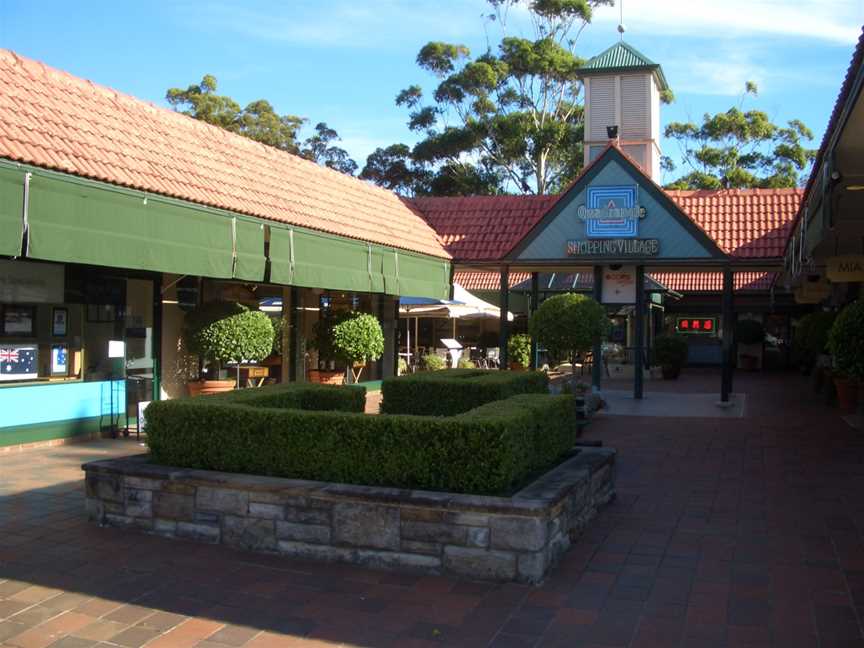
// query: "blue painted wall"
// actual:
[[675, 241], [47, 403]]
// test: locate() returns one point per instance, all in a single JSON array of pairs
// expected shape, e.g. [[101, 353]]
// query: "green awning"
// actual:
[[82, 223], [11, 210], [412, 275], [250, 262]]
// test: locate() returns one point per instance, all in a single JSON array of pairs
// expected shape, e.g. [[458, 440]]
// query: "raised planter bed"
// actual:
[[514, 538]]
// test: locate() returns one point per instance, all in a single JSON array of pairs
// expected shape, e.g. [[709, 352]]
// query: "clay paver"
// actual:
[[725, 532]]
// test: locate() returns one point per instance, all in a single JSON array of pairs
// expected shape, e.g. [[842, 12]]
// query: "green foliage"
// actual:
[[305, 396], [403, 366], [811, 335], [465, 363], [280, 325], [670, 351], [740, 149], [322, 334], [748, 331], [569, 324], [455, 391], [519, 349], [510, 119], [228, 332], [490, 450], [260, 122], [358, 338], [846, 340], [432, 362]]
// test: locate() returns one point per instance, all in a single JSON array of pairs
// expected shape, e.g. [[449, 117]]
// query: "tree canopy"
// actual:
[[509, 119], [739, 149], [259, 121]]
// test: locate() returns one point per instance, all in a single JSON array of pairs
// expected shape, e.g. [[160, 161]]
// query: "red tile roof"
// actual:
[[683, 282], [483, 227], [51, 119]]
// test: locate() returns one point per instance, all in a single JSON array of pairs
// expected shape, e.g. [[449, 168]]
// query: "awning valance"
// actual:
[[11, 210]]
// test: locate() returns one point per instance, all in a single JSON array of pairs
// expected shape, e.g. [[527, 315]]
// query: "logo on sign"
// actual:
[[611, 212]]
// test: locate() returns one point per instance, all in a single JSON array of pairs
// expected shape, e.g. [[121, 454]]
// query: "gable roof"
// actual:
[[57, 121], [623, 57], [744, 223]]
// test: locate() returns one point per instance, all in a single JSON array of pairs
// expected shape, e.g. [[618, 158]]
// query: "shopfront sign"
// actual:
[[615, 248], [700, 325], [619, 286], [24, 282], [611, 211], [846, 268]]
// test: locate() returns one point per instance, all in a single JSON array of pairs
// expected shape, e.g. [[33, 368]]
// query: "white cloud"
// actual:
[[837, 21]]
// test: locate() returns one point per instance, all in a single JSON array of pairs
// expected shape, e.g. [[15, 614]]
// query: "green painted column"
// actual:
[[504, 287]]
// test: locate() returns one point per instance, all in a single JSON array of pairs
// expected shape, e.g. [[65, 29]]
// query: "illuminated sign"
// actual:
[[613, 248], [696, 325], [611, 212]]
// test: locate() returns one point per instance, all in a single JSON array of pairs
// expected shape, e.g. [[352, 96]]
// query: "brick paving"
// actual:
[[742, 532]]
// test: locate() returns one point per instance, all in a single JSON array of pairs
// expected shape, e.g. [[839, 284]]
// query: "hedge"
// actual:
[[342, 398], [492, 449], [446, 393]]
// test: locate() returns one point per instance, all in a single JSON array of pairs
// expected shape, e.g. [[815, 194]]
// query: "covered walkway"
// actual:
[[736, 532]]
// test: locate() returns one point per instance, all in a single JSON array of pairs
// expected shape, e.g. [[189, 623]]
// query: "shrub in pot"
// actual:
[[519, 350], [670, 352], [465, 363], [358, 339], [846, 343], [432, 362], [220, 332], [568, 325], [811, 338], [749, 333]]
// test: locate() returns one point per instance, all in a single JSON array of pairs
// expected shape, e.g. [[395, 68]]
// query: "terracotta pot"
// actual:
[[515, 366], [326, 377], [671, 372], [203, 387], [847, 393]]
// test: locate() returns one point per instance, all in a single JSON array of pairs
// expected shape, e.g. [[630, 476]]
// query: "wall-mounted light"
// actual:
[[612, 132], [854, 187]]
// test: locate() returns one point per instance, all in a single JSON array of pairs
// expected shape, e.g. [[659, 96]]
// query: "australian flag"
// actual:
[[18, 362]]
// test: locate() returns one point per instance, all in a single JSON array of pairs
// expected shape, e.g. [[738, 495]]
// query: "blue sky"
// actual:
[[344, 61]]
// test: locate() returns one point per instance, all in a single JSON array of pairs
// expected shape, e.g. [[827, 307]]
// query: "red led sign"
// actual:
[[696, 325]]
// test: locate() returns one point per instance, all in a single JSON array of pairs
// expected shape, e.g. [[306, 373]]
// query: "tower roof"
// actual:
[[623, 57]]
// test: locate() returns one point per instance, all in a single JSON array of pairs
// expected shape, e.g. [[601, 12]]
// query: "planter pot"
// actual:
[[515, 366], [847, 393], [671, 372], [326, 377], [748, 362], [203, 387]]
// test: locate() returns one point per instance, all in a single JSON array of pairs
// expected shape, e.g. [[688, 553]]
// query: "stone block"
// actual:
[[178, 488], [104, 487], [396, 559], [418, 547], [314, 533], [366, 525], [306, 515], [480, 563], [531, 567], [95, 510], [198, 532], [326, 553], [208, 517], [128, 522], [174, 506], [423, 515], [143, 483], [266, 511], [519, 533], [139, 503], [477, 537], [224, 500], [434, 532], [249, 533], [469, 519], [165, 527]]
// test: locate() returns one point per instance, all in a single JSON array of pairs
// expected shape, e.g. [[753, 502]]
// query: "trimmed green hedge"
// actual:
[[493, 449], [454, 391], [341, 398]]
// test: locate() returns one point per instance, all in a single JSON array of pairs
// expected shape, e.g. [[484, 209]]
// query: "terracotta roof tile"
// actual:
[[57, 121]]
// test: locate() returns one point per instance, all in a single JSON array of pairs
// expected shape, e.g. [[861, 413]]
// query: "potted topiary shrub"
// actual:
[[846, 343], [670, 352], [519, 350], [326, 371], [358, 339], [568, 325], [465, 363], [432, 362], [750, 337], [220, 332]]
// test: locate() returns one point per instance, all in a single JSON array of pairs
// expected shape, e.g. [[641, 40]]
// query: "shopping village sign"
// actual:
[[611, 218]]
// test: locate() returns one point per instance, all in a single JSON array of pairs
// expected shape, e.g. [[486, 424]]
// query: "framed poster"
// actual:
[[18, 321], [60, 322], [59, 360]]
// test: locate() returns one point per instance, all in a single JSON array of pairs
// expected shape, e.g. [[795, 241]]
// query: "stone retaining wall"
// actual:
[[495, 538]]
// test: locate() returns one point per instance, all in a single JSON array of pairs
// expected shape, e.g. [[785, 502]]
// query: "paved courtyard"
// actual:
[[726, 532]]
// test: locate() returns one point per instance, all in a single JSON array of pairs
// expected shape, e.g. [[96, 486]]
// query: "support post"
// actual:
[[640, 332], [535, 299], [504, 287], [726, 377], [388, 315], [597, 366], [297, 350]]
